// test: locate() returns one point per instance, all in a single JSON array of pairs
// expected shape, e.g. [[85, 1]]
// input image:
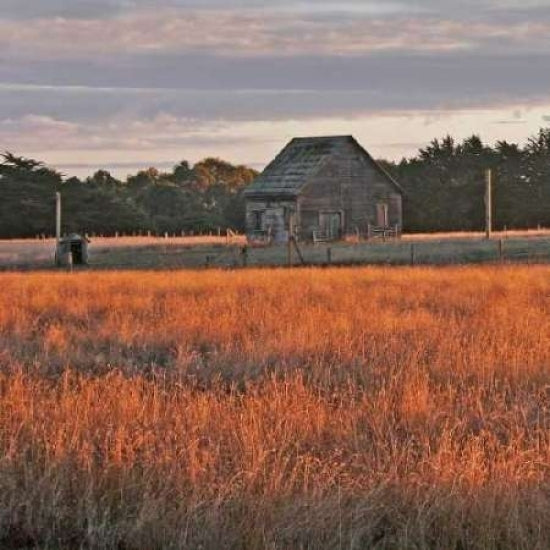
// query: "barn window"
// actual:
[[258, 219]]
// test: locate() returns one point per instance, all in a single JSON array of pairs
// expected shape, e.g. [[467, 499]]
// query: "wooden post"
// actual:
[[57, 217], [57, 229], [298, 251], [289, 252], [244, 253], [501, 250], [413, 259], [488, 204], [329, 255]]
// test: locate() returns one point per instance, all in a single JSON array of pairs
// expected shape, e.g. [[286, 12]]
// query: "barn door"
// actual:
[[382, 216], [331, 224], [334, 224]]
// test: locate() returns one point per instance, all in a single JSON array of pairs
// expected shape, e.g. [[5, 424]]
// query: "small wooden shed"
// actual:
[[72, 249], [323, 187]]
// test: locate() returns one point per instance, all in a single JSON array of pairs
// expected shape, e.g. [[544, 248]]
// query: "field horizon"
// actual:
[[192, 252]]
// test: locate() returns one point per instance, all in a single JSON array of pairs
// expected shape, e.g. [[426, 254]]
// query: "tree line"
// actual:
[[444, 184], [203, 197], [443, 187]]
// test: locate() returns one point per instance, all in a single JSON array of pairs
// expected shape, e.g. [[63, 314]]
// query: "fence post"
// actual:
[[329, 255], [244, 254], [289, 252], [488, 203], [413, 259], [501, 250]]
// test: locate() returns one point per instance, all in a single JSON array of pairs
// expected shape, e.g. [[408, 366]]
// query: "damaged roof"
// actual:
[[299, 162]]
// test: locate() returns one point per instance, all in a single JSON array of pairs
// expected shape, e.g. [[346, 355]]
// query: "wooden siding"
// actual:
[[276, 216], [352, 185]]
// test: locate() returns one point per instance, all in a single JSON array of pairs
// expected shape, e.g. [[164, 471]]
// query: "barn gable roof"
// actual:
[[298, 163]]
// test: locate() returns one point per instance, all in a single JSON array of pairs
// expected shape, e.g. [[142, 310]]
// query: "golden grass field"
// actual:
[[276, 409]]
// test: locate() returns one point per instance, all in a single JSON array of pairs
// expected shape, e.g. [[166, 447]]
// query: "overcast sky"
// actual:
[[125, 84]]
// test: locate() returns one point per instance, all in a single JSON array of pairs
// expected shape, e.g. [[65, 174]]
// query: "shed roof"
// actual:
[[300, 161]]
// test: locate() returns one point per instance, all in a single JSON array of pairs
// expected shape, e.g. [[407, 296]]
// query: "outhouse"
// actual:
[[72, 249]]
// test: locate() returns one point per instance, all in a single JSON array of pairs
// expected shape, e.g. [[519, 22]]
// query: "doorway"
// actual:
[[331, 224], [382, 215]]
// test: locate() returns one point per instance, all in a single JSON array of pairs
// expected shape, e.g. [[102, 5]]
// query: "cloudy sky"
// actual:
[[125, 84]]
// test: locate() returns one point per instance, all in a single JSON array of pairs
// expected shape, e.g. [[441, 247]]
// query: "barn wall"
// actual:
[[275, 216], [352, 185]]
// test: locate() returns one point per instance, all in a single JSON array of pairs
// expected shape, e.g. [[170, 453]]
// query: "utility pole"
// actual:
[[488, 203], [58, 259], [57, 218]]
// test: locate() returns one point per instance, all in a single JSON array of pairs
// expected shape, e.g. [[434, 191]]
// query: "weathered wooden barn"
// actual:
[[322, 187]]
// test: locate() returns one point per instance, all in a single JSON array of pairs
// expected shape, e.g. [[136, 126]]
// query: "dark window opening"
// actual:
[[258, 220]]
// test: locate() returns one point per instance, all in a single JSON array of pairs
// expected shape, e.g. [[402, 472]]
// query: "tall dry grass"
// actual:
[[366, 408]]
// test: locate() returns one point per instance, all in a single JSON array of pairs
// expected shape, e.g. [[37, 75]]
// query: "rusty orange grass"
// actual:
[[366, 408]]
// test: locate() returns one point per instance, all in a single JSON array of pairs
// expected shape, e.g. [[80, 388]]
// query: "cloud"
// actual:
[[230, 32], [241, 91], [94, 81], [226, 33], [163, 130], [40, 127], [512, 121], [381, 82], [92, 8], [162, 141], [83, 9]]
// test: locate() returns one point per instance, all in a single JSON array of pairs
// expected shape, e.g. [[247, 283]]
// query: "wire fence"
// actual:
[[234, 252]]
